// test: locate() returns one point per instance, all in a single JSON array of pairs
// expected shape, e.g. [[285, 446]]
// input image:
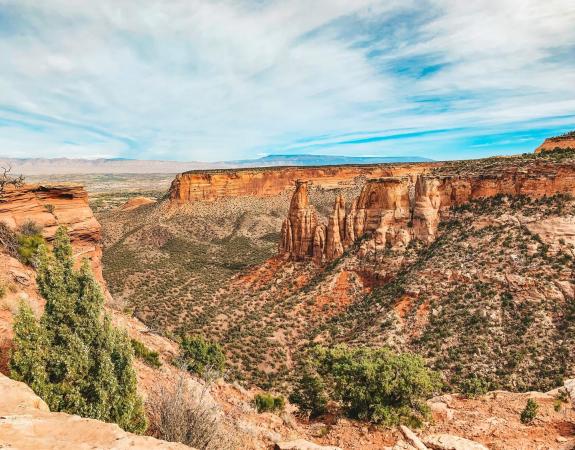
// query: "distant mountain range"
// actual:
[[61, 166]]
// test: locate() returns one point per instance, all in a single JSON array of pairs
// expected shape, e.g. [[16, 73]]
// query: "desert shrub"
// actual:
[[529, 412], [199, 355], [310, 394], [150, 357], [376, 385], [560, 398], [177, 413], [30, 228], [267, 402], [474, 386], [28, 246], [3, 289], [8, 240], [73, 357]]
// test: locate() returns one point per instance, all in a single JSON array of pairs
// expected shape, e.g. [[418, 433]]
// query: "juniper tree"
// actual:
[[73, 357]]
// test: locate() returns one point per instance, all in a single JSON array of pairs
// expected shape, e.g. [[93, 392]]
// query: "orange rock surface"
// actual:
[[52, 206], [210, 185], [561, 142], [397, 209], [26, 423]]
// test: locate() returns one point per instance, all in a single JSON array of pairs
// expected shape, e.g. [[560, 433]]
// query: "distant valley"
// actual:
[[67, 166]]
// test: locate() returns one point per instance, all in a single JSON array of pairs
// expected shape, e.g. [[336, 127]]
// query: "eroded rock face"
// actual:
[[52, 206], [560, 142], [27, 423], [299, 228], [210, 185], [396, 210]]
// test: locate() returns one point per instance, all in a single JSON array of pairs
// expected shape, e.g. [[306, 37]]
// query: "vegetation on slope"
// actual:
[[72, 357], [482, 303]]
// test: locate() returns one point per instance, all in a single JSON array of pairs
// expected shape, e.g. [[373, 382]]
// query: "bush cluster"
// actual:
[[267, 402], [372, 384], [150, 357], [199, 355]]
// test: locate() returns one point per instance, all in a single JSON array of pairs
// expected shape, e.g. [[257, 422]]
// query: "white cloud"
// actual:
[[212, 80]]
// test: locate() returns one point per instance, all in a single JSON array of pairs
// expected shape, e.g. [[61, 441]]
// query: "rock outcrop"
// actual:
[[210, 185], [298, 230], [396, 210], [52, 206], [566, 141], [26, 423]]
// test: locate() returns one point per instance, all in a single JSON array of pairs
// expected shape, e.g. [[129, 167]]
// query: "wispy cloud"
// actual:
[[228, 79]]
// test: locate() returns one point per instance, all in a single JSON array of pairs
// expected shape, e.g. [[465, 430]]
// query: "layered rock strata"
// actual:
[[210, 185], [567, 141], [396, 210], [52, 206]]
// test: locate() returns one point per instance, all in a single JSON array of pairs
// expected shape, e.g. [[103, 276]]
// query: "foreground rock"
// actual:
[[449, 442], [26, 423], [302, 444]]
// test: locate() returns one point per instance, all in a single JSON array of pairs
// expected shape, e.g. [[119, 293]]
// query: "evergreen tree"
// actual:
[[73, 357]]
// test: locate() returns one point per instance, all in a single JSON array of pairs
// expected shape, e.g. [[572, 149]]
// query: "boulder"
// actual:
[[450, 442], [302, 444], [26, 423]]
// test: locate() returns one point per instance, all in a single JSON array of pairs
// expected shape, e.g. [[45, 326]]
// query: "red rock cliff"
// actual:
[[567, 141], [210, 185], [396, 210], [52, 206]]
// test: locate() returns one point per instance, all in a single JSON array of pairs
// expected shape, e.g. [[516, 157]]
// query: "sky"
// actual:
[[212, 80]]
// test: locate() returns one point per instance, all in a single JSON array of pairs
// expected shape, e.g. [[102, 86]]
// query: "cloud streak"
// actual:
[[211, 80]]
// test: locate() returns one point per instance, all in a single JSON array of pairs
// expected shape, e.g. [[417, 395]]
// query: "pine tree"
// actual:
[[73, 357]]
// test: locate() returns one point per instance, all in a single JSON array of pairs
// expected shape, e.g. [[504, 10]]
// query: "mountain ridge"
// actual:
[[65, 166]]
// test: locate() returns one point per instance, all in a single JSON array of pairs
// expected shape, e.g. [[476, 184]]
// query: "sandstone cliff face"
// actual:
[[298, 229], [49, 207], [566, 141], [52, 206], [211, 185], [396, 210]]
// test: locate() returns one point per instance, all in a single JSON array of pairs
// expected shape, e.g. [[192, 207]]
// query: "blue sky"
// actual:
[[215, 80]]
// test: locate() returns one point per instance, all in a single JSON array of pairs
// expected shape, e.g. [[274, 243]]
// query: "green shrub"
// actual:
[[28, 246], [199, 355], [2, 290], [150, 357], [73, 358], [310, 395], [474, 386], [375, 384], [267, 402], [530, 412]]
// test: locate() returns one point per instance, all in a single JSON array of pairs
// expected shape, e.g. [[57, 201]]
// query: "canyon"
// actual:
[[468, 263]]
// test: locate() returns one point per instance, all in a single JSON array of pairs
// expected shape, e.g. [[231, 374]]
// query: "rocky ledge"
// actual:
[[26, 423]]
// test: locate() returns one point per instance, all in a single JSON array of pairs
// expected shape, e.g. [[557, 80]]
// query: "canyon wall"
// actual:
[[211, 185], [566, 141], [52, 206], [396, 210]]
